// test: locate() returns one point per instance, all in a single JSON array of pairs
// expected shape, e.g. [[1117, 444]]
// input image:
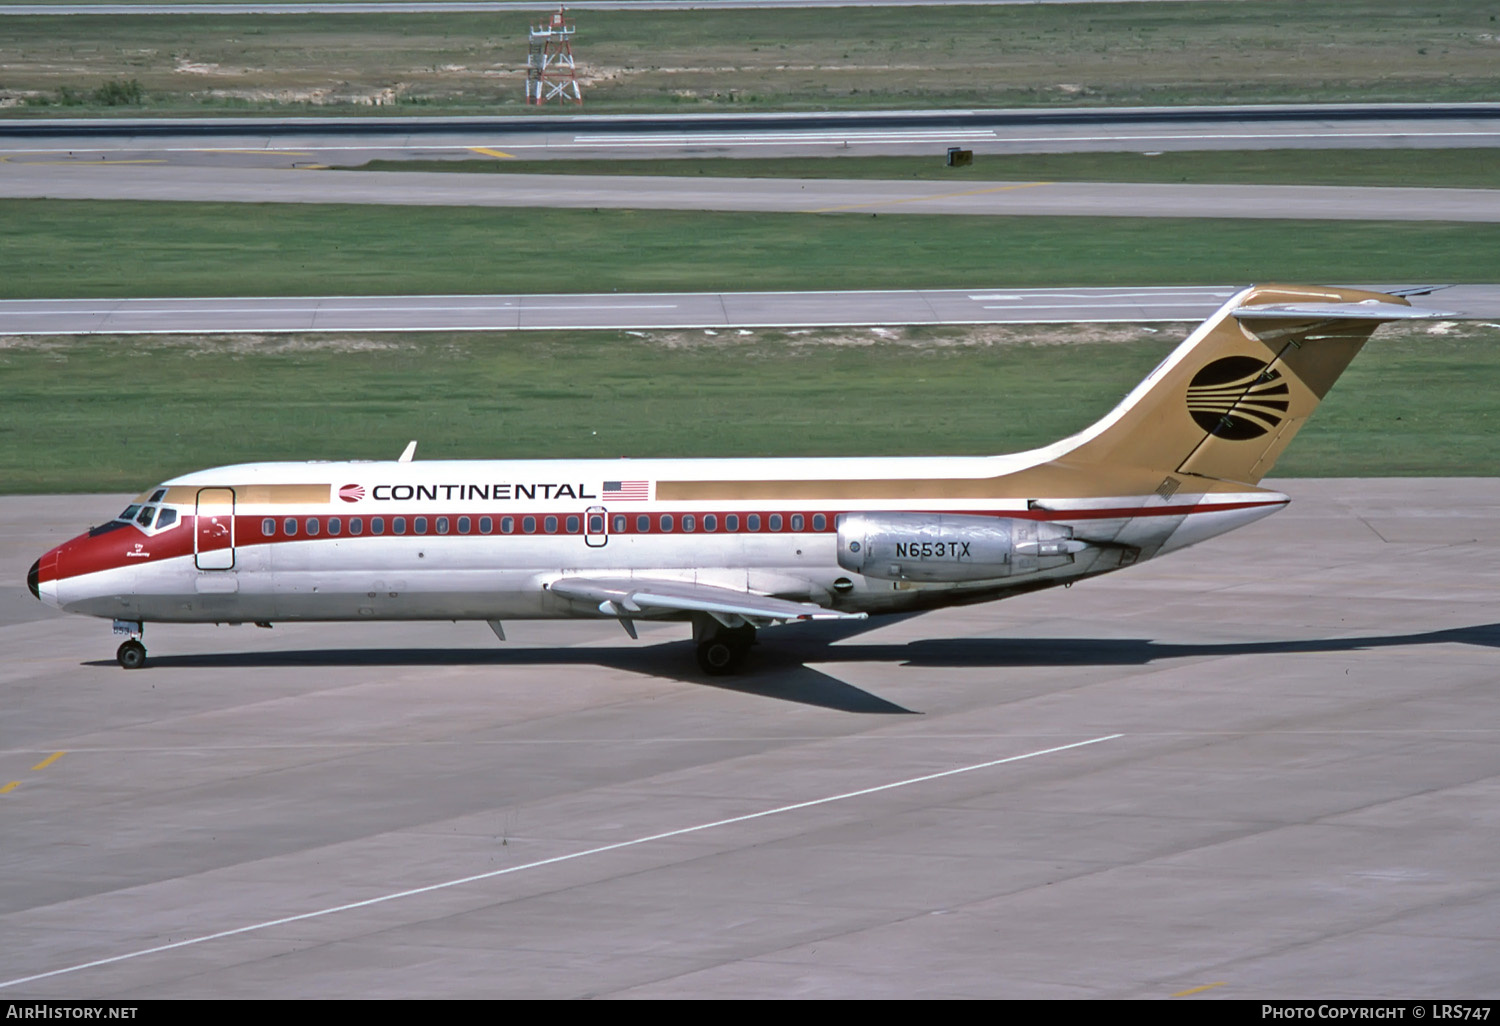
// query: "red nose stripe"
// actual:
[[113, 549]]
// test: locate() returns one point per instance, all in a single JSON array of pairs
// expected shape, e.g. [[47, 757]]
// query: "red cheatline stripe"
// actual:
[[108, 551]]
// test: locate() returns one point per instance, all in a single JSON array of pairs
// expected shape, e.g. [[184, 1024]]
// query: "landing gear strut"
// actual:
[[132, 655], [720, 648]]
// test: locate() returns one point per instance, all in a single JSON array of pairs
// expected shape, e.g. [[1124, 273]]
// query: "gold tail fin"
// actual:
[[1229, 399]]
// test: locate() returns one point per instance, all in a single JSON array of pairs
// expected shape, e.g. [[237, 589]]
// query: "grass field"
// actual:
[[1477, 168], [1257, 51], [121, 413], [58, 249]]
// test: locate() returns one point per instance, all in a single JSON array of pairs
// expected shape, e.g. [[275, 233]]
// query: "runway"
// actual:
[[347, 141], [643, 311], [1263, 768], [810, 196]]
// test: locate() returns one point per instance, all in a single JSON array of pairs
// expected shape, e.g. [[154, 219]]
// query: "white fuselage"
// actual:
[[484, 539]]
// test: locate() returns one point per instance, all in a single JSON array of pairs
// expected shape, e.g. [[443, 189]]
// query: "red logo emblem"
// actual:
[[352, 493]]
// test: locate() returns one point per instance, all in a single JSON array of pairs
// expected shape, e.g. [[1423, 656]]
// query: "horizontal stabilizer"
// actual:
[[1367, 310], [625, 596]]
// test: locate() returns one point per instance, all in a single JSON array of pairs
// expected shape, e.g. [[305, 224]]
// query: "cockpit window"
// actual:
[[144, 517], [167, 519], [130, 512], [158, 495]]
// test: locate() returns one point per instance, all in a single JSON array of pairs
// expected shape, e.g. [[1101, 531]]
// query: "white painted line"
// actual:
[[851, 135], [549, 862], [565, 326], [1185, 305], [1150, 295], [1183, 136], [311, 309]]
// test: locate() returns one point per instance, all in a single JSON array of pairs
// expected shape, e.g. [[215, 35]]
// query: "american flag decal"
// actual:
[[627, 490]]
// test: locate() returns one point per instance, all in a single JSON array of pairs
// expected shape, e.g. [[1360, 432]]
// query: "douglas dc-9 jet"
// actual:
[[731, 545]]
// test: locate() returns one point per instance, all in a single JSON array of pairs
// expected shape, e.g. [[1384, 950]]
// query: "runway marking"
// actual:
[[313, 309], [851, 139], [49, 760], [259, 152], [493, 153], [1199, 990], [80, 163], [549, 862], [10, 787], [1184, 304], [925, 199]]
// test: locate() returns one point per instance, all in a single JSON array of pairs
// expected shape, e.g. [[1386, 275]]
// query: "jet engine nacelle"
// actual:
[[946, 547]]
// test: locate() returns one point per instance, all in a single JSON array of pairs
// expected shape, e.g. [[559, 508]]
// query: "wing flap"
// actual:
[[623, 597]]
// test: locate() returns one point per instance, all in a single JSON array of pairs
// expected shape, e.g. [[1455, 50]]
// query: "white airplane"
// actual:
[[731, 545]]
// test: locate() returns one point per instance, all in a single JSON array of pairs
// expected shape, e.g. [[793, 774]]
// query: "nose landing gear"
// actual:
[[131, 654]]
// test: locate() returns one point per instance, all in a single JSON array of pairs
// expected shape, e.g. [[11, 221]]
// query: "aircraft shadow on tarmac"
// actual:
[[779, 670]]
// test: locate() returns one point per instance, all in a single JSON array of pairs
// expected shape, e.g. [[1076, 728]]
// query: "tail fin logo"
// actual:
[[1238, 397]]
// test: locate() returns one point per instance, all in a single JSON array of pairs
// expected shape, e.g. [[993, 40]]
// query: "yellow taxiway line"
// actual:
[[49, 760], [1199, 990]]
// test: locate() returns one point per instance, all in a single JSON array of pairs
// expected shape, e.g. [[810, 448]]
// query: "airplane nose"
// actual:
[[33, 576]]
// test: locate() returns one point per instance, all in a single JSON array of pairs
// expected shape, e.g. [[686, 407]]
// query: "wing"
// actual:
[[636, 596]]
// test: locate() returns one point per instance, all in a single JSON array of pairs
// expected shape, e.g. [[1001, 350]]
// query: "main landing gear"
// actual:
[[131, 654], [720, 648]]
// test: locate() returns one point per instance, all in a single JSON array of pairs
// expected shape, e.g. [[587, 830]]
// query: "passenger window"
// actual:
[[752, 522], [507, 524], [312, 526], [334, 525], [666, 521], [689, 522], [620, 522], [289, 527], [643, 524], [169, 517], [463, 525], [268, 528], [775, 521], [819, 522], [442, 525], [419, 525], [796, 521], [550, 525], [528, 524], [731, 522], [596, 523], [486, 525], [573, 524], [710, 522], [398, 525], [377, 525], [356, 525]]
